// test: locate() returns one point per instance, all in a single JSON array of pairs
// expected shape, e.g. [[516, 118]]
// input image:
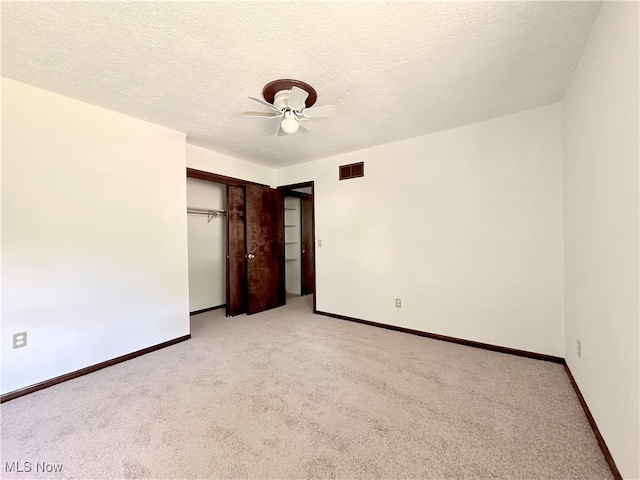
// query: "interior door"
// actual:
[[307, 263], [264, 248], [236, 277]]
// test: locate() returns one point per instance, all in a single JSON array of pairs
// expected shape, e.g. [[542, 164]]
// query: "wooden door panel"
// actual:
[[236, 272], [308, 263], [264, 248]]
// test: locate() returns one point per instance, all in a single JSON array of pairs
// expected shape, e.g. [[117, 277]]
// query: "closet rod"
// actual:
[[209, 213]]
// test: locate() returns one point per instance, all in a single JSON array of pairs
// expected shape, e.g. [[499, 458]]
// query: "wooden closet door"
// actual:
[[236, 271], [264, 248], [307, 265]]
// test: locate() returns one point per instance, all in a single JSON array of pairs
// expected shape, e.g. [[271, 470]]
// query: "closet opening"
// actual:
[[207, 245], [299, 240], [236, 244]]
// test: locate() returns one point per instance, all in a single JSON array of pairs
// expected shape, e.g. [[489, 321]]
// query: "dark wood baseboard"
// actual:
[[435, 336], [596, 431], [204, 310], [84, 371]]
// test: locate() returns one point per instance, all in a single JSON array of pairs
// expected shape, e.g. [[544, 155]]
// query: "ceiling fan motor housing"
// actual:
[[274, 88], [281, 99]]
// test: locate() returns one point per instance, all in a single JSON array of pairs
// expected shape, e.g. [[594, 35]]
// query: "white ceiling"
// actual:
[[393, 70]]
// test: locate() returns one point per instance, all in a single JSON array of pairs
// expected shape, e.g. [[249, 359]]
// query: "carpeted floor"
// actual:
[[289, 394]]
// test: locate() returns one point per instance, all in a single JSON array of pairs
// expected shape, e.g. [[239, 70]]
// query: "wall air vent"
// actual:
[[353, 170]]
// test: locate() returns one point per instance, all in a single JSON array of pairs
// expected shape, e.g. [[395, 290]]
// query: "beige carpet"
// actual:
[[289, 394]]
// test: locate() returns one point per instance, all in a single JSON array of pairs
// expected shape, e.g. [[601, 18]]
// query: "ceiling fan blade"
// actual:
[[309, 125], [297, 98], [271, 129], [317, 112], [260, 115], [265, 103]]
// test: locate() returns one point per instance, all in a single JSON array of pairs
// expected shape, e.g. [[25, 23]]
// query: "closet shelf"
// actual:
[[288, 208], [290, 243], [291, 225], [291, 259]]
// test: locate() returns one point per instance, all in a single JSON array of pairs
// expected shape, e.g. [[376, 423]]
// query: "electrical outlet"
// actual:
[[398, 303], [20, 340], [319, 242], [578, 348]]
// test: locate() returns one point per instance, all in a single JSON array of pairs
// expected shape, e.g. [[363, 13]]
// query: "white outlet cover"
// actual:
[[20, 340]]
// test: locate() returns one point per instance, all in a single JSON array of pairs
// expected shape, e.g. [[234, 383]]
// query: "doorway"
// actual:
[[299, 240]]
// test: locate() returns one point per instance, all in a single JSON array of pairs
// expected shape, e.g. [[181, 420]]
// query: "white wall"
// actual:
[[214, 162], [207, 245], [465, 226], [94, 244], [600, 118]]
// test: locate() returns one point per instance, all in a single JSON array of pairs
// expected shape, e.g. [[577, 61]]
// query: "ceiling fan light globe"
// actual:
[[289, 125]]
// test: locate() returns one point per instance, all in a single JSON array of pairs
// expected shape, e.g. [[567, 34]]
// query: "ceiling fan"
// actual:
[[291, 101]]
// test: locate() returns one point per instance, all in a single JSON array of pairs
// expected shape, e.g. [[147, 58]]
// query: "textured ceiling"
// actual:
[[393, 70]]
